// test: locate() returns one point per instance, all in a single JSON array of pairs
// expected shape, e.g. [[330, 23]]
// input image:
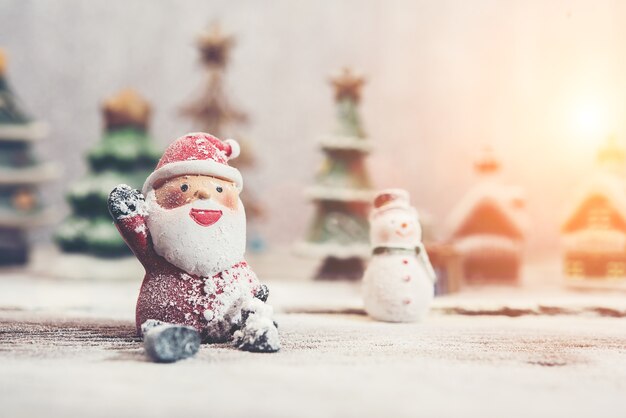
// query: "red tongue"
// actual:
[[205, 217]]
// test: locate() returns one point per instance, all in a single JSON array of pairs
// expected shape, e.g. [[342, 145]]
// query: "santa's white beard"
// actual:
[[196, 249]]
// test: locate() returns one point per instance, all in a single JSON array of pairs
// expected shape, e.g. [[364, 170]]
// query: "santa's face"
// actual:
[[397, 227], [179, 191], [197, 223]]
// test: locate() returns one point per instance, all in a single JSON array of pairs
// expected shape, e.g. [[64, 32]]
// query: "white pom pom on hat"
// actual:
[[235, 149]]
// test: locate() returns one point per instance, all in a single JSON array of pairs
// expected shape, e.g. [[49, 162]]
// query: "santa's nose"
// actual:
[[203, 194]]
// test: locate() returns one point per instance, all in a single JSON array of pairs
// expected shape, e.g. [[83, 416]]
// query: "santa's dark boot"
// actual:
[[218, 331], [259, 333], [167, 343]]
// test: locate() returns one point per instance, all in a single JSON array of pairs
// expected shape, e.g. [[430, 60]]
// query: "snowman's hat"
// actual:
[[391, 199]]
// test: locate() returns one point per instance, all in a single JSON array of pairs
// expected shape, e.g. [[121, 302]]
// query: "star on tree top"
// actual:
[[126, 108], [347, 85], [215, 46]]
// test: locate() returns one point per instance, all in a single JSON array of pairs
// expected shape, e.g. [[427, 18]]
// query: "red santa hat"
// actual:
[[197, 153]]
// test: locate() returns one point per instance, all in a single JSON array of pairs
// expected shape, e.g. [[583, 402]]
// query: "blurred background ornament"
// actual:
[[21, 176], [125, 154], [214, 113], [342, 190], [488, 226], [594, 231]]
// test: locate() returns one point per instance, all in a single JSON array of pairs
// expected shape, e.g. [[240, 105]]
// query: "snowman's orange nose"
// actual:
[[404, 225]]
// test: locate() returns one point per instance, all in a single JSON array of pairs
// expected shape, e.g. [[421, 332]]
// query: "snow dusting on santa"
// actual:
[[188, 229]]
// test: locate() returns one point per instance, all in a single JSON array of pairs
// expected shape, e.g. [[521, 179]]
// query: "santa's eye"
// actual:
[[184, 187], [219, 189]]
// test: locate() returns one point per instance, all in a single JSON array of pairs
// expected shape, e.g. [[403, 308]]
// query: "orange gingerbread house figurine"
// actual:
[[594, 231], [487, 227]]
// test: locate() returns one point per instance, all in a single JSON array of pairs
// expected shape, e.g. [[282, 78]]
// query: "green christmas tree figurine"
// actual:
[[20, 176], [126, 154], [342, 191], [214, 113]]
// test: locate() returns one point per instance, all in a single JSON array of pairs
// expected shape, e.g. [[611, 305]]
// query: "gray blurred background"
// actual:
[[445, 78]]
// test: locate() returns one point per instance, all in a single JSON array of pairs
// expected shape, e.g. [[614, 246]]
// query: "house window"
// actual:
[[574, 268], [616, 269], [599, 218]]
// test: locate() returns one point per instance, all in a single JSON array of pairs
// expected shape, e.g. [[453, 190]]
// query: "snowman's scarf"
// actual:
[[396, 250]]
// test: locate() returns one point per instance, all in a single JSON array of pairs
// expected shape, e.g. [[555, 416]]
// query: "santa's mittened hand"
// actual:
[[262, 293], [125, 201]]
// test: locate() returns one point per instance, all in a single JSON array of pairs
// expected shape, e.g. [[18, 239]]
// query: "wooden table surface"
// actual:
[[68, 349]]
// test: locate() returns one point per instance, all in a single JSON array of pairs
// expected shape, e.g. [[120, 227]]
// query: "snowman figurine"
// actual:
[[398, 284]]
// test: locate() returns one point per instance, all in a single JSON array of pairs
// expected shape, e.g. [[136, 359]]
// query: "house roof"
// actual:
[[508, 200], [604, 184]]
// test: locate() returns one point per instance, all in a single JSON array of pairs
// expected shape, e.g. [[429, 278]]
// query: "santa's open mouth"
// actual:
[[205, 217]]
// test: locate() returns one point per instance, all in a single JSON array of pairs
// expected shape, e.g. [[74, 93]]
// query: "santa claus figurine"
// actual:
[[188, 230], [398, 284]]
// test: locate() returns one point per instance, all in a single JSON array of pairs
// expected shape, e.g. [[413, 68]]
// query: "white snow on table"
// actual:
[[67, 349], [330, 366]]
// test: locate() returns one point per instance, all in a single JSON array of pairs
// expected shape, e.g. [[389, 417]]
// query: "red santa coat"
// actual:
[[171, 295]]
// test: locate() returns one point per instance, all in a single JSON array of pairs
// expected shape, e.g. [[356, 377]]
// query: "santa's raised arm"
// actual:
[[126, 206]]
